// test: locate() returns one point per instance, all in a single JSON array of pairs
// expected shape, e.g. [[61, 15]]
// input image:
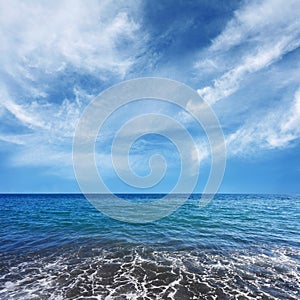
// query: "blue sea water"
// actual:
[[237, 247]]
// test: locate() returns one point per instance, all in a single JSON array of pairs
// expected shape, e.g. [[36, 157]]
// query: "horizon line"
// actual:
[[139, 193]]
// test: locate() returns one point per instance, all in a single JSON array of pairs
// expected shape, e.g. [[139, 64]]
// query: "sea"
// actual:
[[240, 246]]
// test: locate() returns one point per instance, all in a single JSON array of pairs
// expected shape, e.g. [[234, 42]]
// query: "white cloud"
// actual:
[[51, 35], [293, 121], [259, 22], [13, 139], [39, 39], [260, 34], [276, 129], [19, 112], [51, 129], [45, 119]]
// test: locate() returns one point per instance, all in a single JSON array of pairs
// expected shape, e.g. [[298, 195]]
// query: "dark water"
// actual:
[[238, 247]]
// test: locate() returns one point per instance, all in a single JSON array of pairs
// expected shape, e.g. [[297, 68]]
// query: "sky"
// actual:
[[242, 58]]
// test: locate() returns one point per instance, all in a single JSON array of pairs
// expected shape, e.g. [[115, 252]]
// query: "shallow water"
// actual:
[[238, 247]]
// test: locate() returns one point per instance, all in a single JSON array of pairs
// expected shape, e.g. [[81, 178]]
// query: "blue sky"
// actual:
[[242, 57]]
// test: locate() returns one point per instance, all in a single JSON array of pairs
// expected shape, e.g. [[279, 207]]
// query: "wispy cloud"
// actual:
[[41, 41], [276, 129], [259, 35], [50, 36]]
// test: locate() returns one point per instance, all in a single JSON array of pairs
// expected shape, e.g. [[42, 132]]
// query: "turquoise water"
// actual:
[[238, 247]]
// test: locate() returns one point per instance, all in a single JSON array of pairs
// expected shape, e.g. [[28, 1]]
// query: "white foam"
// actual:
[[56, 277]]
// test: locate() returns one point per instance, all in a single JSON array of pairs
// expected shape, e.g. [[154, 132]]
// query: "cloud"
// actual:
[[12, 139], [258, 38], [279, 128], [47, 140], [42, 41], [252, 22], [51, 36], [260, 34], [25, 115], [53, 118], [141, 147], [293, 121]]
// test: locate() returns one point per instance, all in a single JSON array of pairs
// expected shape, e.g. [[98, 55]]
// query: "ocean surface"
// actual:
[[237, 247]]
